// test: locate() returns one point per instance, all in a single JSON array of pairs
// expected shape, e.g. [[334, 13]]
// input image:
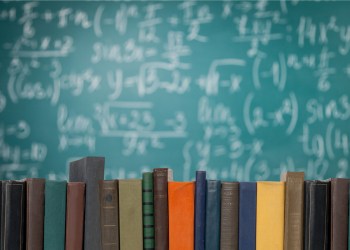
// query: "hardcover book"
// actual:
[[212, 216], [200, 198], [148, 211]]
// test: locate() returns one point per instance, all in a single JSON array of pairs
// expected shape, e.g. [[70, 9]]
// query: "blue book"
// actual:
[[212, 216], [247, 214], [199, 219]]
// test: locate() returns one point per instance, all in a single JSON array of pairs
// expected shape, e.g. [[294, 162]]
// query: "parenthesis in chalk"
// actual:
[[246, 113], [295, 113]]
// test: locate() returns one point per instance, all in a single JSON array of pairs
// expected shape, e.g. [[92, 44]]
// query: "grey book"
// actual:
[[90, 170]]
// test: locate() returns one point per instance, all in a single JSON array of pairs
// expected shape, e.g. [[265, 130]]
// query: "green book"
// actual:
[[130, 214], [55, 215], [148, 210]]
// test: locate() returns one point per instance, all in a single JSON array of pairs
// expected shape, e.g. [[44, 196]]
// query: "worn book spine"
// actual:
[[55, 215], [90, 170], [200, 198], [229, 216], [247, 214], [14, 219], [212, 216], [109, 198], [294, 210], [35, 214], [75, 215], [181, 215], [161, 216], [130, 214], [1, 214], [270, 215], [339, 213], [317, 215], [148, 211]]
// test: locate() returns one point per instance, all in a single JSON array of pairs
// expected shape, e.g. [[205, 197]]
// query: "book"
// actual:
[[35, 214], [55, 215], [90, 170], [247, 214], [2, 183], [130, 214], [75, 215], [294, 210], [212, 215], [339, 213], [14, 215], [109, 198], [161, 216], [317, 215], [270, 215], [229, 215], [181, 215], [200, 198], [148, 210]]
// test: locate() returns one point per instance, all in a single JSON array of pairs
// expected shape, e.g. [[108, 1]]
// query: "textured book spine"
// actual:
[[13, 230], [181, 215], [55, 215], [109, 214], [2, 183], [339, 213], [130, 211], [90, 170], [161, 216], [148, 211], [212, 216], [75, 215], [294, 210], [247, 214], [200, 198], [35, 214], [229, 216], [270, 215]]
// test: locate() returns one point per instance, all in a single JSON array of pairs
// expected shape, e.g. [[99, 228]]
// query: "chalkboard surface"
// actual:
[[242, 89]]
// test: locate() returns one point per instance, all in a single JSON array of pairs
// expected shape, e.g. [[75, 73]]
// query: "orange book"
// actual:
[[181, 215]]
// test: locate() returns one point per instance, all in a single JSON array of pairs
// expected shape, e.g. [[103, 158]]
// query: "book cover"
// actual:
[[200, 198], [212, 215], [247, 214], [181, 215], [90, 170], [148, 210], [55, 215], [75, 215], [109, 197], [270, 215], [130, 214]]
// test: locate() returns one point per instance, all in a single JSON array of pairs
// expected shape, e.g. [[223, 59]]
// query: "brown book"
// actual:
[[109, 214], [294, 210], [161, 216], [35, 213], [229, 216], [339, 213], [75, 215]]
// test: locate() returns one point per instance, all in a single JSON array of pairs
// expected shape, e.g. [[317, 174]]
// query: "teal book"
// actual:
[[55, 215], [148, 210]]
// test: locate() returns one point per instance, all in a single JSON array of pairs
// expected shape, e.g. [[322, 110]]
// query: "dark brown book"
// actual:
[[294, 210], [161, 216], [109, 199], [229, 216], [75, 215], [339, 213], [35, 213]]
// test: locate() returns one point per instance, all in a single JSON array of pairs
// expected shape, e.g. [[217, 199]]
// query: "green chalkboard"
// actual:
[[242, 89]]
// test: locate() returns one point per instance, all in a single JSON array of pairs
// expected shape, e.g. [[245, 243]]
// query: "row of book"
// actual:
[[155, 212]]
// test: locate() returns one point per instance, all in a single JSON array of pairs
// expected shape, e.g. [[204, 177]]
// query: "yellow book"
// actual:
[[270, 215]]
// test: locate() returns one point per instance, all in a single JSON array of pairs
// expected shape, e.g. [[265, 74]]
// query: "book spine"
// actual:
[[75, 215], [212, 216], [35, 214], [148, 211], [200, 198], [91, 171], [109, 214], [161, 216], [229, 216], [247, 214]]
